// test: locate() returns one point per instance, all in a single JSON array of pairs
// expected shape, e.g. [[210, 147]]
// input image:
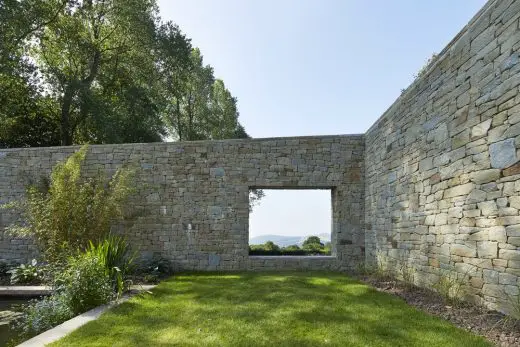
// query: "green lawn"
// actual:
[[249, 309]]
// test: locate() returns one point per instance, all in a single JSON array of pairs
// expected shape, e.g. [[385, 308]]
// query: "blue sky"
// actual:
[[303, 67]]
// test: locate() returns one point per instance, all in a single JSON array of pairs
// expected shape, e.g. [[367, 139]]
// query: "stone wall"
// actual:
[[193, 197], [442, 172], [440, 193]]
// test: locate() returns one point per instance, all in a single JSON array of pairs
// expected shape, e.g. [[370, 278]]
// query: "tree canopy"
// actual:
[[105, 71]]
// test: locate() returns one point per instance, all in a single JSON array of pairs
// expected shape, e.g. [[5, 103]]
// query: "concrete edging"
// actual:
[[24, 290], [72, 324]]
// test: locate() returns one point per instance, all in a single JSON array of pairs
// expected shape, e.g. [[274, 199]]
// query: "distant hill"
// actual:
[[285, 241]]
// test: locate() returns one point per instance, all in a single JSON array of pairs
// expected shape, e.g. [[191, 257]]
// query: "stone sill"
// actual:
[[281, 257], [24, 290]]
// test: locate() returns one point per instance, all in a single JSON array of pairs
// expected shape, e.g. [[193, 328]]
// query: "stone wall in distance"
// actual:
[[442, 165], [193, 196]]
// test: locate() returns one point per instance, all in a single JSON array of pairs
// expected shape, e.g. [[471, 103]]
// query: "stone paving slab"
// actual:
[[24, 290]]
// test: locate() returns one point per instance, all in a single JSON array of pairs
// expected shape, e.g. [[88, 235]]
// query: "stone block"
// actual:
[[493, 290], [461, 139], [476, 195], [508, 220], [514, 240], [487, 249], [503, 154], [507, 211], [513, 230], [441, 219], [512, 170], [488, 208], [463, 250], [506, 278], [509, 254], [514, 201], [485, 176], [463, 189], [481, 129]]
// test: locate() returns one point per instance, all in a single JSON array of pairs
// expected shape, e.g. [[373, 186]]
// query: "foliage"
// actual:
[[268, 309], [41, 315], [425, 67], [155, 269], [29, 273], [74, 209], [450, 285], [114, 252], [85, 283], [4, 268], [88, 279], [514, 306], [270, 246], [292, 248], [311, 246], [255, 195], [365, 269], [104, 71], [25, 110], [381, 270], [513, 310], [407, 273]]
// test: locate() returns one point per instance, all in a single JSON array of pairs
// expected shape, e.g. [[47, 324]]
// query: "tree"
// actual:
[[26, 115], [312, 243], [271, 246], [105, 71], [292, 248], [197, 106], [94, 45]]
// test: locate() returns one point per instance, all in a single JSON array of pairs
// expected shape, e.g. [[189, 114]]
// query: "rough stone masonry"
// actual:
[[442, 184], [193, 197], [433, 186]]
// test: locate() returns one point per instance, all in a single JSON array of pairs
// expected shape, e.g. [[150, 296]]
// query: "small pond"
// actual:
[[9, 305]]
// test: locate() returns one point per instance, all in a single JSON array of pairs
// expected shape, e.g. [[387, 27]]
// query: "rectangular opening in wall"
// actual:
[[290, 222]]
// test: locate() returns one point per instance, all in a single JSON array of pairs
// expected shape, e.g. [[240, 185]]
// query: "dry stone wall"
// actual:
[[432, 188], [442, 165], [192, 197]]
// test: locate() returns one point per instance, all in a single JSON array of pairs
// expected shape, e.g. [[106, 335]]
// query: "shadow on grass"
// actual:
[[295, 309]]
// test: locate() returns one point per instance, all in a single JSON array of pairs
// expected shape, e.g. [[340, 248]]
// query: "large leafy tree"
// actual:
[[105, 71], [92, 47], [197, 106], [26, 113]]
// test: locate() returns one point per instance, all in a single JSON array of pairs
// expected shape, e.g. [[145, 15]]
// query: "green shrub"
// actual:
[[407, 273], [70, 210], [364, 269], [85, 283], [41, 315], [155, 269], [26, 273], [513, 302], [115, 254], [382, 271], [311, 246], [4, 268], [450, 286]]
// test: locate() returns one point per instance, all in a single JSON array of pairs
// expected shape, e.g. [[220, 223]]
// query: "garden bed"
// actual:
[[9, 311], [495, 326]]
